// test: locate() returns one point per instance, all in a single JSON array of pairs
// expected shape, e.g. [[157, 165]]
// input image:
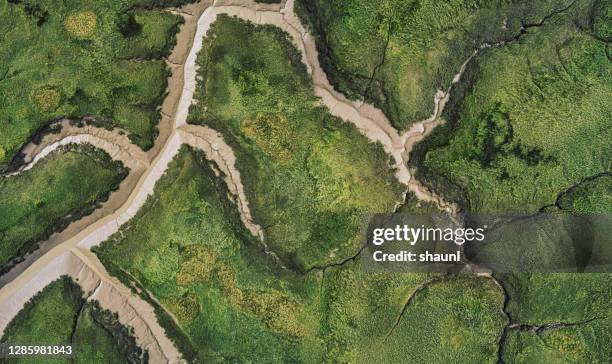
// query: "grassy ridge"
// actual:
[[100, 59], [309, 177], [59, 315], [63, 187], [234, 303]]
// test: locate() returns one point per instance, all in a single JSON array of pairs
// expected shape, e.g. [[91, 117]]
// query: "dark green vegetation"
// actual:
[[309, 177], [59, 315], [531, 119], [529, 131], [63, 187], [398, 53], [591, 196], [94, 59], [234, 303]]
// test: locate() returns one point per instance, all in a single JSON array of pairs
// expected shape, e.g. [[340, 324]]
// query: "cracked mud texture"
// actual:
[[66, 185], [309, 177], [95, 59], [60, 315]]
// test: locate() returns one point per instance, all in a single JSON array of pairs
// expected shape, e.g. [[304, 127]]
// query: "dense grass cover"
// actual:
[[100, 59], [47, 319], [579, 304], [398, 53], [63, 187], [591, 196], [572, 344], [309, 177], [531, 119], [59, 315], [441, 325], [188, 248]]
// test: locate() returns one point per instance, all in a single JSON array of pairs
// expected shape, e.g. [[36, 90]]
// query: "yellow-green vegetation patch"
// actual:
[[311, 179], [273, 134], [63, 187], [47, 98], [59, 315], [81, 59], [81, 24]]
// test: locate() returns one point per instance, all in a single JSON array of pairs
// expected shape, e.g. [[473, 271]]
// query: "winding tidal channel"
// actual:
[[68, 252]]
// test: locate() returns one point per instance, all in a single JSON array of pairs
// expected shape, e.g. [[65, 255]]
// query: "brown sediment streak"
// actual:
[[215, 148], [60, 259], [117, 145], [111, 293]]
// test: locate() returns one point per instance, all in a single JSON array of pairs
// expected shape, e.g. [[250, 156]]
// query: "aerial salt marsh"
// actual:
[[397, 54], [188, 248], [530, 120], [222, 298], [528, 131]]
